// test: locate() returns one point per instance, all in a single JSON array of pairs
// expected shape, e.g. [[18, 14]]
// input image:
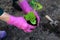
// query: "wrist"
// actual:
[[4, 17], [21, 0]]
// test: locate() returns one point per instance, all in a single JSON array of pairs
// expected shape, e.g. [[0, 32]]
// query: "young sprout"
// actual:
[[30, 17], [36, 5]]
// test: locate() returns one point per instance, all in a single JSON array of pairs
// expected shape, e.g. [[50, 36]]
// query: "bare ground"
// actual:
[[51, 7]]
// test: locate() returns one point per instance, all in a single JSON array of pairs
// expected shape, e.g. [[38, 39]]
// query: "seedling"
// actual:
[[30, 17], [36, 5]]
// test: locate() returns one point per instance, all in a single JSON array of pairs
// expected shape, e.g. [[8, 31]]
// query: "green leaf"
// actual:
[[36, 5], [33, 22], [30, 17]]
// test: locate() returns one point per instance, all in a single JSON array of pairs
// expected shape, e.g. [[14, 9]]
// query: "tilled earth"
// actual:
[[51, 7]]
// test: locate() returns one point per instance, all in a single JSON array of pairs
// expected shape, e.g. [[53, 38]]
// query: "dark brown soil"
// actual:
[[51, 7]]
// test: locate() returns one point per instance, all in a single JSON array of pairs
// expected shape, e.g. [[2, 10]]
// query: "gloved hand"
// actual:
[[27, 8], [21, 23]]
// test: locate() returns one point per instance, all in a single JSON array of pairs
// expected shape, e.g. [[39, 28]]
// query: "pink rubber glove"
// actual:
[[27, 8], [20, 23]]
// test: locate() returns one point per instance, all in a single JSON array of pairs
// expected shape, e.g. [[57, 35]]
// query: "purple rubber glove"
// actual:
[[21, 23], [2, 34]]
